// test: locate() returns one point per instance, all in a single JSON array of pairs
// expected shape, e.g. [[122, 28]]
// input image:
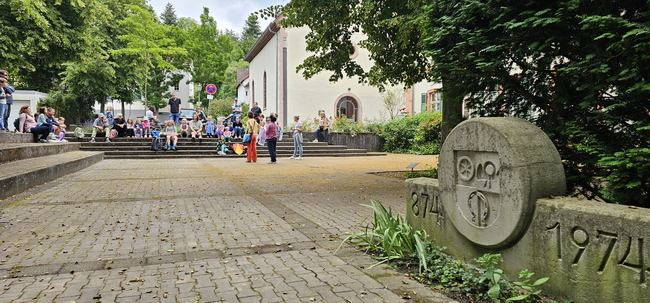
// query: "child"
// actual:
[[109, 114], [261, 136], [130, 131], [222, 149], [155, 125], [42, 117], [218, 130], [171, 133], [137, 129], [185, 128], [155, 128], [209, 128], [61, 135], [146, 128], [227, 134]]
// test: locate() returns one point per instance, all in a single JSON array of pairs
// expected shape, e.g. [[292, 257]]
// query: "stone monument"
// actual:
[[498, 192]]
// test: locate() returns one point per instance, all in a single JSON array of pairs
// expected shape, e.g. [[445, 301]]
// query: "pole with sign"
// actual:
[[211, 89]]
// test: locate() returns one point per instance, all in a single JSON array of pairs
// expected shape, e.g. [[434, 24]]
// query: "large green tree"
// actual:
[[168, 16], [41, 36], [579, 69], [150, 51], [209, 53]]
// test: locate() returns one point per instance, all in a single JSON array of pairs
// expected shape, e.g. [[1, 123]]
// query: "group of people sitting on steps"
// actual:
[[46, 125]]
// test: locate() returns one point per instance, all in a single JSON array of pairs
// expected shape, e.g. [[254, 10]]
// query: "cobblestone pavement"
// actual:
[[203, 230]]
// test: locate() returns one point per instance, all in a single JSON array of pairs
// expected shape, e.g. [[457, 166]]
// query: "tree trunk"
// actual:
[[452, 107], [123, 110]]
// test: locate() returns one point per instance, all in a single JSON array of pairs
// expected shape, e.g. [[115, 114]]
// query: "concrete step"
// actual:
[[286, 140], [18, 151], [190, 152], [131, 148], [263, 158], [20, 175], [7, 137]]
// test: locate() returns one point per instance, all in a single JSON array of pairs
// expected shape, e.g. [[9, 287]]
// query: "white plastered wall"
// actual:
[[265, 61]]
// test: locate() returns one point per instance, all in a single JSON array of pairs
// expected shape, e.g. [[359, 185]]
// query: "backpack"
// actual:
[[156, 144], [79, 133], [17, 124], [112, 134]]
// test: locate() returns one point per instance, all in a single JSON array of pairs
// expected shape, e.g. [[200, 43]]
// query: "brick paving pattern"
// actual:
[[202, 230]]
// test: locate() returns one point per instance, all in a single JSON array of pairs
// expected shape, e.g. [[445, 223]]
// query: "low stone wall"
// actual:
[[592, 252], [368, 141]]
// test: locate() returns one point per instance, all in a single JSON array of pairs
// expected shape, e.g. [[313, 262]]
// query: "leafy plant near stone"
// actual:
[[391, 239], [391, 236], [495, 277], [531, 295]]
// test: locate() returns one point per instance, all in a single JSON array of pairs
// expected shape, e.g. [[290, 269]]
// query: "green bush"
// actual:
[[417, 134], [628, 179], [222, 108], [374, 126], [341, 124]]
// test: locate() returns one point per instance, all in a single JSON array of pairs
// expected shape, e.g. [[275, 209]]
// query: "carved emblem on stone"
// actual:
[[477, 188]]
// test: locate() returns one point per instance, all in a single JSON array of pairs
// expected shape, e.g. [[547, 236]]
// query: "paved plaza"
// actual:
[[203, 230]]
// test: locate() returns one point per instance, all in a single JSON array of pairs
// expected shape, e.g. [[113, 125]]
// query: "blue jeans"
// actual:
[[42, 130], [324, 134], [7, 113], [238, 131], [297, 144], [271, 143], [3, 109], [175, 116]]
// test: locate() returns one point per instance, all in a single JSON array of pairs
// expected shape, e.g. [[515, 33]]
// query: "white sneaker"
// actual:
[[92, 140], [292, 157], [298, 158], [108, 141], [315, 140]]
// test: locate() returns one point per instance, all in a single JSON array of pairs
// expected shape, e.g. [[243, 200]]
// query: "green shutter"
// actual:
[[423, 106]]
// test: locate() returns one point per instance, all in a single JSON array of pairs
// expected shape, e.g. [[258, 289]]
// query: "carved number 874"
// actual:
[[422, 204]]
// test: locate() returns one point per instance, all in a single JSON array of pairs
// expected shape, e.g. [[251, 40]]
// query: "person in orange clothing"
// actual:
[[252, 128]]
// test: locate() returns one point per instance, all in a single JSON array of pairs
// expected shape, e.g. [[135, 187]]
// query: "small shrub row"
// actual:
[[416, 134]]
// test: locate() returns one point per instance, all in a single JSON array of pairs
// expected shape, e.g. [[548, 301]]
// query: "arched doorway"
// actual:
[[348, 107]]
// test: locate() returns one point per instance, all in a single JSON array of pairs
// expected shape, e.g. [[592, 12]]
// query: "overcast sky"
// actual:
[[229, 13]]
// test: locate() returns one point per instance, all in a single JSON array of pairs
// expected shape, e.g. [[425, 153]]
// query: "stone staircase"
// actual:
[[139, 148], [24, 164]]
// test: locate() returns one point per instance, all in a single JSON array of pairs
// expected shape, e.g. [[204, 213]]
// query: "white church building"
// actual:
[[276, 86]]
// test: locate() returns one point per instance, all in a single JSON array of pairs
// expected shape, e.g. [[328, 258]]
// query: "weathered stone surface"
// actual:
[[491, 172], [593, 252]]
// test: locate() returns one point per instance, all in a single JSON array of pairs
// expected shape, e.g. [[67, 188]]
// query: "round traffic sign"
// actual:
[[211, 89]]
